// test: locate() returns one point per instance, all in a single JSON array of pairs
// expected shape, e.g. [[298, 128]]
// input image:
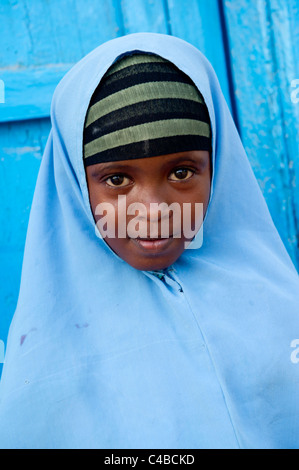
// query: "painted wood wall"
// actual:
[[252, 44]]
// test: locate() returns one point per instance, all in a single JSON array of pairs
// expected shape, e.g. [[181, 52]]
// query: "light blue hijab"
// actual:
[[101, 355]]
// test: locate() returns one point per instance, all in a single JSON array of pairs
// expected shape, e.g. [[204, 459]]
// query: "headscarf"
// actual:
[[101, 355]]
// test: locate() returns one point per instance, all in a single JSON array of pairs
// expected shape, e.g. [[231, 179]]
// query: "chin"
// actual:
[[152, 264]]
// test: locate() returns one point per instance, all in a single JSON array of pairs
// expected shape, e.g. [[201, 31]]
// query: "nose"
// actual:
[[152, 212], [151, 203]]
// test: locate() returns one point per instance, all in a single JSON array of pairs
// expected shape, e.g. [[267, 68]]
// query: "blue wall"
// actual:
[[252, 44]]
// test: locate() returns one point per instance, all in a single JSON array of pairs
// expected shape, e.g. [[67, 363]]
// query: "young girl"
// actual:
[[126, 336]]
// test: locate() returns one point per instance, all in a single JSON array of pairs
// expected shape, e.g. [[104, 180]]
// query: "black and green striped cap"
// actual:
[[144, 107]]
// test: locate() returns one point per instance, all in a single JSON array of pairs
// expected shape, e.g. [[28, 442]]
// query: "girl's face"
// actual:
[[140, 236]]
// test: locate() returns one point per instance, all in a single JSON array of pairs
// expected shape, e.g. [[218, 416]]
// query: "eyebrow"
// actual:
[[183, 159], [116, 166]]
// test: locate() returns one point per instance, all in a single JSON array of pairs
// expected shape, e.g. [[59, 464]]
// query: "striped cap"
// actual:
[[144, 107]]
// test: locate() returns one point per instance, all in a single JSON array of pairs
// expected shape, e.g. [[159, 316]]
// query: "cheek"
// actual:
[[197, 209], [105, 215], [205, 194]]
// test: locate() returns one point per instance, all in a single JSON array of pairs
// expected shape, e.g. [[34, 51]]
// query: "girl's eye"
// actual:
[[181, 174], [117, 180]]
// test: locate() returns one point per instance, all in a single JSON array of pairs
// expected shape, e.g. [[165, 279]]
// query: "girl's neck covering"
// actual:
[[144, 107], [101, 355]]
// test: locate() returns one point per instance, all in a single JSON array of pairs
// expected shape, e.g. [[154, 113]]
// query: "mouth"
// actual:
[[155, 245]]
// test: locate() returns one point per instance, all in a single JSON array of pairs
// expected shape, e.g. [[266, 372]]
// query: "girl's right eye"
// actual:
[[117, 180]]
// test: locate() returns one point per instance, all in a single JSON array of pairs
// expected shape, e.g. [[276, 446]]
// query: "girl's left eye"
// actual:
[[117, 180], [181, 174]]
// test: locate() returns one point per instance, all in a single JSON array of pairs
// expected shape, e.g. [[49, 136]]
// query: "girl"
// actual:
[[131, 338]]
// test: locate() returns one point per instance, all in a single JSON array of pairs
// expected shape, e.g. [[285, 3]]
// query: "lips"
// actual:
[[153, 239], [155, 245]]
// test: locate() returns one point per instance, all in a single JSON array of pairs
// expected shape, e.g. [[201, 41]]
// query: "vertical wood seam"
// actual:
[[167, 17], [227, 55]]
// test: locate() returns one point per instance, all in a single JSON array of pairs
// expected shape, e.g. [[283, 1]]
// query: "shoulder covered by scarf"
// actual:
[[101, 355]]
